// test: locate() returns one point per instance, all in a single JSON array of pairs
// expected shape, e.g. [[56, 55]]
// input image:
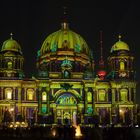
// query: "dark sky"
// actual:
[[32, 21]]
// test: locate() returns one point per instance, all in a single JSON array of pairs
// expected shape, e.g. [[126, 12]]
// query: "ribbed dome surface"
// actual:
[[64, 40], [11, 45], [120, 45]]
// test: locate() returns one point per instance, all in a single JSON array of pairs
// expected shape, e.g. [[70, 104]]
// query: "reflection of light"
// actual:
[[78, 131], [136, 125], [17, 123], [54, 132], [120, 110], [23, 123], [11, 126], [11, 109]]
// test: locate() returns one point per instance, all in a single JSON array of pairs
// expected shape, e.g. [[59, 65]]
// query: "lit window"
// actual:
[[122, 65], [123, 94], [30, 94], [89, 96], [9, 65], [8, 93], [44, 97], [102, 95]]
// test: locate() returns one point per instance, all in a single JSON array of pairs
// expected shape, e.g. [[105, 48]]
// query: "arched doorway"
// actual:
[[66, 106]]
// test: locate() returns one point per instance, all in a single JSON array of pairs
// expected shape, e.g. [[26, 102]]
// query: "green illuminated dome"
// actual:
[[11, 45], [64, 50], [120, 45], [64, 40]]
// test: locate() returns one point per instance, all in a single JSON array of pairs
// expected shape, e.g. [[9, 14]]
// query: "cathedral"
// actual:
[[67, 87]]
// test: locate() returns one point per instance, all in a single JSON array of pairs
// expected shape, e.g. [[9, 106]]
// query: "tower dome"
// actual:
[[12, 60], [120, 45], [11, 45]]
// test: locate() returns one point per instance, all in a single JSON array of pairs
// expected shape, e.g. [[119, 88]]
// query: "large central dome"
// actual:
[[64, 47], [64, 40]]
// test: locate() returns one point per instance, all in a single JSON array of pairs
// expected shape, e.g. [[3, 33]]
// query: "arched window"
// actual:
[[44, 96], [66, 99], [89, 96], [30, 94], [123, 94], [9, 64], [8, 92], [122, 65]]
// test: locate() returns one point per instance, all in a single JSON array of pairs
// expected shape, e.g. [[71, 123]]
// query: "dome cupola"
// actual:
[[120, 46], [11, 59], [11, 45]]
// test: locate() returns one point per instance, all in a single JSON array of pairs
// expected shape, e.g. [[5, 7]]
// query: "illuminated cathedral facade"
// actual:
[[66, 85]]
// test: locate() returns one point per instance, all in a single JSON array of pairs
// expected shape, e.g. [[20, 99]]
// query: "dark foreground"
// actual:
[[68, 133]]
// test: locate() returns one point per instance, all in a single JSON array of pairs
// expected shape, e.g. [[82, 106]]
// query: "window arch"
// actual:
[[30, 94], [66, 99]]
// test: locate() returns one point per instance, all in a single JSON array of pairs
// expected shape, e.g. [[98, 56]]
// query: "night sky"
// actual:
[[31, 22]]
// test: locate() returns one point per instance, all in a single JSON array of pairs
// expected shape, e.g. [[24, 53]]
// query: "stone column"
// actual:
[[40, 101], [36, 115], [14, 92], [86, 90], [118, 95], [134, 95], [25, 114], [110, 113], [2, 93], [55, 115], [130, 99], [48, 99], [1, 114], [25, 93], [34, 94], [19, 100], [113, 95]]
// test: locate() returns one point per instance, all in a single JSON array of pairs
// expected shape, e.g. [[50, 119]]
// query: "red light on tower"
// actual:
[[102, 74]]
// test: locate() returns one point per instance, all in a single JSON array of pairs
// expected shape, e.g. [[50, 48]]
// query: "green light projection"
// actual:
[[89, 110], [44, 108], [66, 99], [54, 47], [77, 48]]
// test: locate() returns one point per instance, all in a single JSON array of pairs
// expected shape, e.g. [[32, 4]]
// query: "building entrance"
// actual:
[[65, 116], [66, 107]]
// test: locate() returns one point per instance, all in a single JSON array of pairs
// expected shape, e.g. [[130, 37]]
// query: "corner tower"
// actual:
[[11, 59], [121, 61], [123, 84]]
